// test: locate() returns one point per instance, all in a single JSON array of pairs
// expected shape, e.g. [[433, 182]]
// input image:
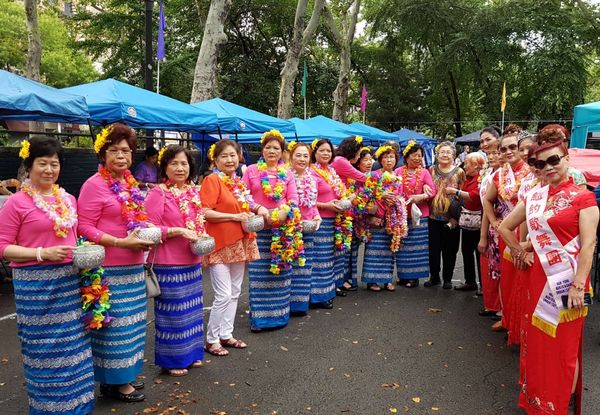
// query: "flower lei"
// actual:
[[129, 196], [395, 213], [102, 138], [307, 189], [238, 188], [364, 194], [61, 212], [95, 296], [287, 245], [273, 193], [184, 198], [24, 152], [504, 193], [407, 189]]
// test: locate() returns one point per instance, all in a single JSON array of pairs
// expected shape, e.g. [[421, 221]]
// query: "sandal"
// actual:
[[176, 373], [235, 343], [197, 364], [216, 349], [373, 287], [389, 287], [347, 286], [411, 283]]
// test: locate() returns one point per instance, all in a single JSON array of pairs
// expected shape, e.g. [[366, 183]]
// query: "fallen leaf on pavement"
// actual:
[[435, 310], [285, 349], [158, 381], [151, 410], [393, 410], [416, 399], [435, 408]]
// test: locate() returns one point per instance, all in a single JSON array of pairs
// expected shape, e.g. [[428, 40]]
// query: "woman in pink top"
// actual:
[[273, 186], [307, 198], [347, 153], [412, 259], [37, 235], [175, 206], [110, 205]]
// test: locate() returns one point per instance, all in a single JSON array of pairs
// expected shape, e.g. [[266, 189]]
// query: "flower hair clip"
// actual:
[[102, 139], [292, 145], [409, 145], [211, 152], [365, 148], [383, 149], [24, 152], [358, 139], [314, 143], [161, 153], [270, 135]]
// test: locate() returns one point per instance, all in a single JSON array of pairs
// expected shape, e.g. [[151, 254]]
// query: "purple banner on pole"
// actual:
[[363, 99], [162, 25]]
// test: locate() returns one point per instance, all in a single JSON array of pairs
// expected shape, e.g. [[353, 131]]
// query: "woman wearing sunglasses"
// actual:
[[562, 220], [556, 132], [503, 192]]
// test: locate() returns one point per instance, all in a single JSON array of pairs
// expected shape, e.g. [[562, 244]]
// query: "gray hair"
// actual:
[[478, 158], [446, 144]]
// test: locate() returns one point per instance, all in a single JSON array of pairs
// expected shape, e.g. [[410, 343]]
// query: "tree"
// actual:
[[347, 17], [301, 36], [34, 48], [205, 74]]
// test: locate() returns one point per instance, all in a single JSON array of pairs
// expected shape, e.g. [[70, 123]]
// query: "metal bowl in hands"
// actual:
[[153, 235], [309, 226], [203, 246], [88, 256], [254, 224], [344, 204]]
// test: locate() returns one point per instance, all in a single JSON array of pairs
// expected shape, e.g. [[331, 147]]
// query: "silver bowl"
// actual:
[[88, 256], [153, 235], [203, 246], [309, 226], [254, 224], [345, 204]]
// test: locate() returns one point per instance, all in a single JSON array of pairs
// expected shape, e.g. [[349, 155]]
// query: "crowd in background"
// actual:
[[513, 208]]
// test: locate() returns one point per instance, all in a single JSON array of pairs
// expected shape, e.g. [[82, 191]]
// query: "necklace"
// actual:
[[238, 188], [60, 211], [287, 245], [407, 188], [274, 193], [129, 196], [307, 189], [332, 179], [185, 198]]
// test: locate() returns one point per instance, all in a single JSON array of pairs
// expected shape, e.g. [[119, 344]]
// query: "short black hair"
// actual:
[[348, 148], [169, 154], [150, 151], [43, 146], [319, 144], [492, 130]]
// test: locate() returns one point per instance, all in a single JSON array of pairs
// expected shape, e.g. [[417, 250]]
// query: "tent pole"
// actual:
[[158, 77], [502, 129], [91, 130]]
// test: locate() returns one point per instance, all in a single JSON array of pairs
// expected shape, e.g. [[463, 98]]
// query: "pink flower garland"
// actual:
[[307, 189], [188, 195]]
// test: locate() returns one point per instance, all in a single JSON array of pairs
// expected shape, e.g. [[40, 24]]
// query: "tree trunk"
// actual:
[[344, 41], [205, 74], [301, 36], [455, 98], [34, 48]]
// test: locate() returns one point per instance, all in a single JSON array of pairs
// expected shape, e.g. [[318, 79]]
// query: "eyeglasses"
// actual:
[[531, 161], [511, 147], [552, 161], [125, 152]]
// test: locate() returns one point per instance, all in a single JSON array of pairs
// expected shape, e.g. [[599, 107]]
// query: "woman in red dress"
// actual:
[[562, 220]]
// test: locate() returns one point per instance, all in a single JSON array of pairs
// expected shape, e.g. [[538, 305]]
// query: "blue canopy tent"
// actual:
[[468, 138], [334, 130], [304, 132], [405, 135], [27, 100], [111, 101], [235, 119], [586, 119], [374, 134]]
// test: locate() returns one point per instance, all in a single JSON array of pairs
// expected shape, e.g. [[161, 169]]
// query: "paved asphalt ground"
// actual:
[[415, 351]]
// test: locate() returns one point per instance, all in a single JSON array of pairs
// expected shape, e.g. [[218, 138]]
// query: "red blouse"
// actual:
[[471, 186]]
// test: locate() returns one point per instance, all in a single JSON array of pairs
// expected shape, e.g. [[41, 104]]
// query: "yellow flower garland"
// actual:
[[161, 153], [271, 134], [382, 150], [358, 139], [409, 145], [102, 139], [211, 152], [24, 152]]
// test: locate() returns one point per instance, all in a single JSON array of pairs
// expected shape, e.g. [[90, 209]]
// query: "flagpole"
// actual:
[[158, 78], [364, 117], [304, 106], [502, 121]]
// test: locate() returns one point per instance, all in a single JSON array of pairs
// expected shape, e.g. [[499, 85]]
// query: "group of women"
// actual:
[[317, 209]]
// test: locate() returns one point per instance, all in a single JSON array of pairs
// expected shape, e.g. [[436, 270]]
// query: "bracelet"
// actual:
[[580, 288], [38, 254]]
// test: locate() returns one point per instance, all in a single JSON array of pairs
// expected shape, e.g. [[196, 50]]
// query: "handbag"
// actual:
[[470, 219], [152, 287], [455, 209]]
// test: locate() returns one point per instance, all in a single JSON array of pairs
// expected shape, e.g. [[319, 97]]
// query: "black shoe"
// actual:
[[447, 286], [135, 396], [105, 389], [496, 318], [298, 313], [479, 293], [466, 287], [349, 286], [487, 313], [326, 305], [137, 384], [432, 283], [340, 293]]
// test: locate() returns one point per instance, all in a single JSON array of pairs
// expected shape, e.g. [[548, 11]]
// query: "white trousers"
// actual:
[[226, 281]]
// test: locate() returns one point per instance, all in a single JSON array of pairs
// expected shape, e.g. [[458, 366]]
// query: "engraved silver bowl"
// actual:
[[203, 246], [345, 204], [88, 256], [254, 224], [309, 226], [150, 234]]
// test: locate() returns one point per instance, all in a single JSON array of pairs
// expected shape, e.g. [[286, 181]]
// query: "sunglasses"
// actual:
[[511, 147], [552, 161]]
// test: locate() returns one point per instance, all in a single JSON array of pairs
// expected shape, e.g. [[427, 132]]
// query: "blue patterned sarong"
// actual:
[[57, 355], [119, 348], [341, 266], [269, 293], [179, 339], [412, 259], [322, 284], [378, 267], [356, 273], [301, 277]]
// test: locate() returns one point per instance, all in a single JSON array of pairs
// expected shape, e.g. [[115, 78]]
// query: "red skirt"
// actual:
[[507, 279], [489, 286]]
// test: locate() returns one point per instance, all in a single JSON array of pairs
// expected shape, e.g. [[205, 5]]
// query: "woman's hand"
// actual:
[[333, 206], [56, 253], [451, 191], [242, 217], [319, 221], [389, 197], [575, 298], [187, 234], [495, 224], [428, 190], [133, 242], [482, 246]]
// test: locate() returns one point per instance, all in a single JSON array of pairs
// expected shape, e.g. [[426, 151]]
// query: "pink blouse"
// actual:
[[25, 225], [100, 213], [252, 180], [163, 212], [424, 180], [347, 171], [324, 194]]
